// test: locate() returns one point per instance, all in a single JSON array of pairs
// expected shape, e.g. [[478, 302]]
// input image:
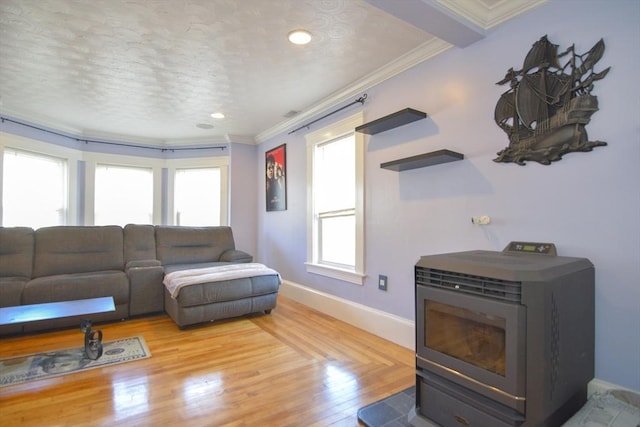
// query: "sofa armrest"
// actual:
[[146, 291], [235, 256]]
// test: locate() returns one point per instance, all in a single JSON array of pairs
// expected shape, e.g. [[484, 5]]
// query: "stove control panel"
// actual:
[[531, 248]]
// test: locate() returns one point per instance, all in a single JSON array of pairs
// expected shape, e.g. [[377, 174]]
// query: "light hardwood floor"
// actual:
[[294, 367]]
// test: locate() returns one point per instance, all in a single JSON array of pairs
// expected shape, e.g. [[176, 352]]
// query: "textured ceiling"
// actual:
[[154, 70]]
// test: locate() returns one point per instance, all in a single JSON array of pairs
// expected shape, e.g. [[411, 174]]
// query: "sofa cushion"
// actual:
[[236, 256], [11, 289], [68, 287], [78, 286], [16, 251], [139, 242], [78, 249], [191, 245]]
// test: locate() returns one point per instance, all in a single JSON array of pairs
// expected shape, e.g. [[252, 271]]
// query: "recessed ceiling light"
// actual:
[[217, 115], [299, 36]]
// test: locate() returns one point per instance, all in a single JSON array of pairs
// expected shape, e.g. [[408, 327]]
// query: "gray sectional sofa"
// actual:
[[129, 263]]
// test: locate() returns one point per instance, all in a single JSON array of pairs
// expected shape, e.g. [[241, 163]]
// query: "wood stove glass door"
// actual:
[[473, 337], [474, 341]]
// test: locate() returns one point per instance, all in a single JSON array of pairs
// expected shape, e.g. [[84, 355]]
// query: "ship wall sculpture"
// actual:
[[548, 105]]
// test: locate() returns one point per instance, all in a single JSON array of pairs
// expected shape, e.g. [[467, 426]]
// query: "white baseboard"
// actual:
[[385, 325], [380, 323]]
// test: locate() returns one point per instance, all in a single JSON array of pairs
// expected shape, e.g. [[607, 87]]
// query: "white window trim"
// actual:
[[72, 157], [90, 159], [93, 159], [221, 162], [342, 127], [140, 168]]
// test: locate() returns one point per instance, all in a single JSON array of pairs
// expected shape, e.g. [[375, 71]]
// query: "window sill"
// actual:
[[336, 273]]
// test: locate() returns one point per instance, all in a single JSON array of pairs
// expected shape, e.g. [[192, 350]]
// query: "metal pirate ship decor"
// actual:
[[548, 105]]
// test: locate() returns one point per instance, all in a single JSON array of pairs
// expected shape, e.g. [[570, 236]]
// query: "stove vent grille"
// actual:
[[502, 290]]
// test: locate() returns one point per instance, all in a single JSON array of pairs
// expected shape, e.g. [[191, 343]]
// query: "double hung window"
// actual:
[[123, 195], [34, 189], [335, 211], [198, 196]]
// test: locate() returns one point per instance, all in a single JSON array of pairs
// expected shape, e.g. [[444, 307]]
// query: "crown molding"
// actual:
[[40, 122], [47, 125], [240, 139], [412, 58], [489, 16], [108, 136], [476, 12]]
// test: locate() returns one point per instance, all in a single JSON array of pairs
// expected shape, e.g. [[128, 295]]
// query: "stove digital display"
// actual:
[[531, 248]]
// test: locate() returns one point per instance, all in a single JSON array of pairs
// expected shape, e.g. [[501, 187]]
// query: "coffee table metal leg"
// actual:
[[92, 340]]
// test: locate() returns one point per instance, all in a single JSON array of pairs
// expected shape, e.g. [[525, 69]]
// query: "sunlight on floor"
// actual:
[[339, 382], [130, 397], [203, 393]]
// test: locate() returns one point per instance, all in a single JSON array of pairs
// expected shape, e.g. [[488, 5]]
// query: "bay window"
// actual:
[[34, 189]]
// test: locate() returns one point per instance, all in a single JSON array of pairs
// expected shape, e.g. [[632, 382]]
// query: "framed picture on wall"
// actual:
[[276, 183]]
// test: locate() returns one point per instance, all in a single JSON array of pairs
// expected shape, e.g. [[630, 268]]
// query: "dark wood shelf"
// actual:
[[397, 119], [423, 160]]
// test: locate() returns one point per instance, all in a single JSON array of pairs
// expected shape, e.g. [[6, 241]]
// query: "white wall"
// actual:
[[588, 204]]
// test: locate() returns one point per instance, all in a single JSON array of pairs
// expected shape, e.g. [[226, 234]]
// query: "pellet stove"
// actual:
[[502, 338]]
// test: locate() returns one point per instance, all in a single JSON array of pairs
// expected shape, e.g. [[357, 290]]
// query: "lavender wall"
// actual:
[[588, 203], [243, 198]]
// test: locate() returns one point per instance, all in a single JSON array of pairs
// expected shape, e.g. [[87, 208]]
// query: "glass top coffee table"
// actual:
[[56, 310]]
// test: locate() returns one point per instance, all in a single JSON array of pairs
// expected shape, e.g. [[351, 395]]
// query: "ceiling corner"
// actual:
[[435, 19], [240, 139], [489, 13]]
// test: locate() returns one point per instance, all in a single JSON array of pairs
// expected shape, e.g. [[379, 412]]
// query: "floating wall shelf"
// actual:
[[423, 160], [397, 119]]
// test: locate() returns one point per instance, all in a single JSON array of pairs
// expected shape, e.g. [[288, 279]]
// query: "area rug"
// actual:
[[392, 411], [36, 366]]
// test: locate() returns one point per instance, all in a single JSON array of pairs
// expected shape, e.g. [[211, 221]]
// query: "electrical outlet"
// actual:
[[382, 282]]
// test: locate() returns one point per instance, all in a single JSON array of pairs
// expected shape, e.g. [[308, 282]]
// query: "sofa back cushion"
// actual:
[[16, 251], [77, 249], [139, 242], [189, 245]]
